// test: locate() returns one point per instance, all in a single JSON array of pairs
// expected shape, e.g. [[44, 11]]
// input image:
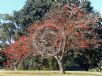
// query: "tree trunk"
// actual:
[[60, 64], [61, 67], [15, 68]]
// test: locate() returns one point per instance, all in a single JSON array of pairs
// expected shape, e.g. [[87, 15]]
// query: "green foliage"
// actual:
[[84, 59], [32, 11], [7, 29], [39, 63]]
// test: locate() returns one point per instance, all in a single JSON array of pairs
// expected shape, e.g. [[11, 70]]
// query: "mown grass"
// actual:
[[48, 73]]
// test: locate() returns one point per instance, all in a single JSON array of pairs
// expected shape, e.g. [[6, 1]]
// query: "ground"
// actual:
[[48, 73]]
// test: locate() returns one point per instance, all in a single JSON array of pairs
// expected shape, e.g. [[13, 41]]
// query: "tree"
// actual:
[[88, 58], [63, 30], [33, 10], [17, 52], [7, 29]]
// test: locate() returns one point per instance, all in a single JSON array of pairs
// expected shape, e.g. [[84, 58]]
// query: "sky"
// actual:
[[8, 6], [97, 4]]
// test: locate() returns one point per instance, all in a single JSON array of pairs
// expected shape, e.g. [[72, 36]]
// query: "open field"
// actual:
[[48, 73]]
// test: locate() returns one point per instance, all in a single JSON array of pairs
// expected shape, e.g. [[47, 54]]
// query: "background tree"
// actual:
[[7, 29], [85, 59]]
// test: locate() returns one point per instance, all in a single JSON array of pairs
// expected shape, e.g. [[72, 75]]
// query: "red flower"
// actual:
[[83, 44], [78, 34], [22, 38], [79, 14]]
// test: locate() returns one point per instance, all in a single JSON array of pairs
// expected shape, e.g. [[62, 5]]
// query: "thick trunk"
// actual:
[[60, 64], [61, 67], [15, 67]]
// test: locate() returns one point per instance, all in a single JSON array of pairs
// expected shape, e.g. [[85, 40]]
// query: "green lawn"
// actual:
[[48, 73]]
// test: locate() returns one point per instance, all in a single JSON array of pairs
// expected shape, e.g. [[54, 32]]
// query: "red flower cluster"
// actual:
[[17, 51]]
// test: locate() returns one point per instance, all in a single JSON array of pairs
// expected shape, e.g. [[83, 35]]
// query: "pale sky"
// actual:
[[97, 4], [8, 6]]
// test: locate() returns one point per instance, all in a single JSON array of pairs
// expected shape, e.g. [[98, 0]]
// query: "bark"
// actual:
[[61, 66], [15, 68]]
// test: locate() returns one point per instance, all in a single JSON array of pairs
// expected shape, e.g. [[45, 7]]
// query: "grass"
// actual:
[[48, 73]]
